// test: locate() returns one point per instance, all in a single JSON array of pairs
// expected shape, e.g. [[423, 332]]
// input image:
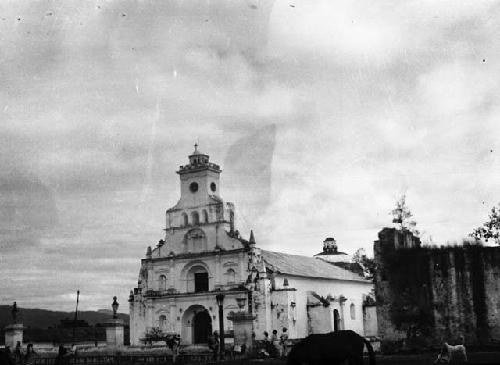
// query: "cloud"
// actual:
[[333, 109]]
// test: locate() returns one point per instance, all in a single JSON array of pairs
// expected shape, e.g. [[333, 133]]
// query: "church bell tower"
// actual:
[[200, 218], [199, 180]]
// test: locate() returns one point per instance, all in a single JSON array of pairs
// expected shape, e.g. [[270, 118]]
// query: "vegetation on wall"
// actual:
[[479, 292], [409, 278], [367, 264], [413, 273], [402, 215], [490, 230]]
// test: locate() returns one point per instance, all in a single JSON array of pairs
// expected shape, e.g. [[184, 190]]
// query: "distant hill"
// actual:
[[42, 318]]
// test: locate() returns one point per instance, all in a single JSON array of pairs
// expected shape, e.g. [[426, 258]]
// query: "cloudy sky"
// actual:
[[321, 113]]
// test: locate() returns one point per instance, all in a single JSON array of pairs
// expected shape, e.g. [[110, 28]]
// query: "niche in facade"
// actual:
[[195, 240], [162, 283]]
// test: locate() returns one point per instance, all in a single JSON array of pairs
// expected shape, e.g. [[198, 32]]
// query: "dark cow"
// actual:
[[6, 357], [334, 348]]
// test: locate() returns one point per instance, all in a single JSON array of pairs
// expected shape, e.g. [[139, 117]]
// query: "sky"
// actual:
[[321, 114]]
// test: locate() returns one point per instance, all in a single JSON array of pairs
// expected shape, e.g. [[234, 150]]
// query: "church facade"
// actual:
[[203, 255]]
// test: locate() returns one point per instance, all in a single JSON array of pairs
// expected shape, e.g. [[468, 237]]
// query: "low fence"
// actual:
[[125, 359], [477, 358]]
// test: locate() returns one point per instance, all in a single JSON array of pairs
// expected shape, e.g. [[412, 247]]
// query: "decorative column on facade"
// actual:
[[218, 270], [149, 314], [173, 327], [171, 278], [243, 266], [342, 301], [132, 317]]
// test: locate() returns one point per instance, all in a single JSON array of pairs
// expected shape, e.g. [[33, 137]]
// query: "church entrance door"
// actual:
[[202, 327], [336, 320]]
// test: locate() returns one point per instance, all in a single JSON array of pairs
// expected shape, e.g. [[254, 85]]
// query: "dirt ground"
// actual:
[[483, 358]]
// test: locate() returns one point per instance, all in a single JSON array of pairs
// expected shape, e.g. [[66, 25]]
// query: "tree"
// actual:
[[154, 334], [491, 228], [402, 215], [367, 264]]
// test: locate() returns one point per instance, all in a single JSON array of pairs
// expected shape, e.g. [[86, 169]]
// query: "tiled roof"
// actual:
[[306, 266]]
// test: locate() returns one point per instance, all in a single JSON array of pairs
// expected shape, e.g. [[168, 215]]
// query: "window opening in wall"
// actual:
[[353, 311], [205, 216], [193, 187], [200, 282], [185, 219]]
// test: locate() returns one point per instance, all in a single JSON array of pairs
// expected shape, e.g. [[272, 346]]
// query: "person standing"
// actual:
[[284, 342], [267, 344], [264, 351], [213, 344], [61, 358], [8, 358], [275, 344], [29, 358], [18, 355]]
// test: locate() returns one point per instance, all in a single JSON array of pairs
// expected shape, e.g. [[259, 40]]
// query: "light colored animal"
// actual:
[[451, 354]]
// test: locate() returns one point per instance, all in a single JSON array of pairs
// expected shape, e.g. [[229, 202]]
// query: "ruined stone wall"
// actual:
[[429, 295]]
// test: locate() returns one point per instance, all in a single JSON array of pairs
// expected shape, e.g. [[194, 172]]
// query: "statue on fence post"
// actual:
[[14, 311], [115, 306]]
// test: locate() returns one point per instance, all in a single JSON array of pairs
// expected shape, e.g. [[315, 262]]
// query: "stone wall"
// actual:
[[426, 296]]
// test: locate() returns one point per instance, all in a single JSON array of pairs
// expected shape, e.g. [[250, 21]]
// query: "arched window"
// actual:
[[205, 216], [353, 311], [163, 323], [195, 218], [197, 279], [162, 282], [185, 220], [230, 276]]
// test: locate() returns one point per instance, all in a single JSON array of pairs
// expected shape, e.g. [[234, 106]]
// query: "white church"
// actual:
[[203, 255]]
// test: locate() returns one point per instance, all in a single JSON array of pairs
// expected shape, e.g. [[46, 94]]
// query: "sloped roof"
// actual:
[[306, 266]]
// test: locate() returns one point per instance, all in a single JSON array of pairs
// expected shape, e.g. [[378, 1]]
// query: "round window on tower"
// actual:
[[213, 187], [193, 187]]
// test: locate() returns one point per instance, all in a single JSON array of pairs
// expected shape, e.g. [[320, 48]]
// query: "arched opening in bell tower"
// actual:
[[195, 218], [185, 220]]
